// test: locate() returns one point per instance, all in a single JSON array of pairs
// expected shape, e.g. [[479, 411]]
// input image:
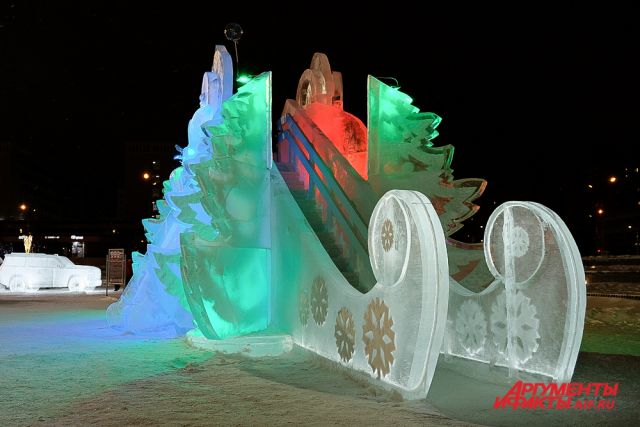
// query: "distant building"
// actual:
[[610, 212], [117, 223], [9, 186], [146, 166]]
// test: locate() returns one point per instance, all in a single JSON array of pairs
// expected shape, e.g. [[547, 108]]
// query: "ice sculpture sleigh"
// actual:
[[344, 167], [288, 246]]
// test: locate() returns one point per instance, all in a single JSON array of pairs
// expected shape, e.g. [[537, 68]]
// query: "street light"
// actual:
[[146, 176], [613, 179], [23, 207]]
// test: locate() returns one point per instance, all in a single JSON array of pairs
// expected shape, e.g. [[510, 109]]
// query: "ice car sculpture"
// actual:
[[345, 247], [27, 272]]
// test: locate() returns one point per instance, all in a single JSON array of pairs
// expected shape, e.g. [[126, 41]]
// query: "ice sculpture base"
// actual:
[[485, 373], [255, 345]]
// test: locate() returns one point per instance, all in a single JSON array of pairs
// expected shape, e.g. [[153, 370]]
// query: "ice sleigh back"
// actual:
[[531, 317]]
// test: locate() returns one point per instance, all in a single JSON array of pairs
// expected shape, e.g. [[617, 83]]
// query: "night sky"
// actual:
[[538, 102]]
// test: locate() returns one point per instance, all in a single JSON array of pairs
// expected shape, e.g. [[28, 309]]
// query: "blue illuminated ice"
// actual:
[[154, 301]]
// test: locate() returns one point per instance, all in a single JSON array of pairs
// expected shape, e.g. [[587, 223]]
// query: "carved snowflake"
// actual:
[[526, 324], [471, 326], [387, 235], [319, 300], [520, 241], [345, 334], [378, 337], [303, 308]]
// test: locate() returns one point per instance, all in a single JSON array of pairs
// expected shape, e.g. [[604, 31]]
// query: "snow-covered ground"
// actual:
[[610, 352], [61, 365]]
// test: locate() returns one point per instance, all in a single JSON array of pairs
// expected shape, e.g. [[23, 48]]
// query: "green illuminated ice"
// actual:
[[227, 279]]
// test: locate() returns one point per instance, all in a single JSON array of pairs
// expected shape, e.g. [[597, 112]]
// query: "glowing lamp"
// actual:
[[243, 78]]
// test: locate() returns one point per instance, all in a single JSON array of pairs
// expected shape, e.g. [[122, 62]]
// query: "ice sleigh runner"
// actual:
[[292, 245]]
